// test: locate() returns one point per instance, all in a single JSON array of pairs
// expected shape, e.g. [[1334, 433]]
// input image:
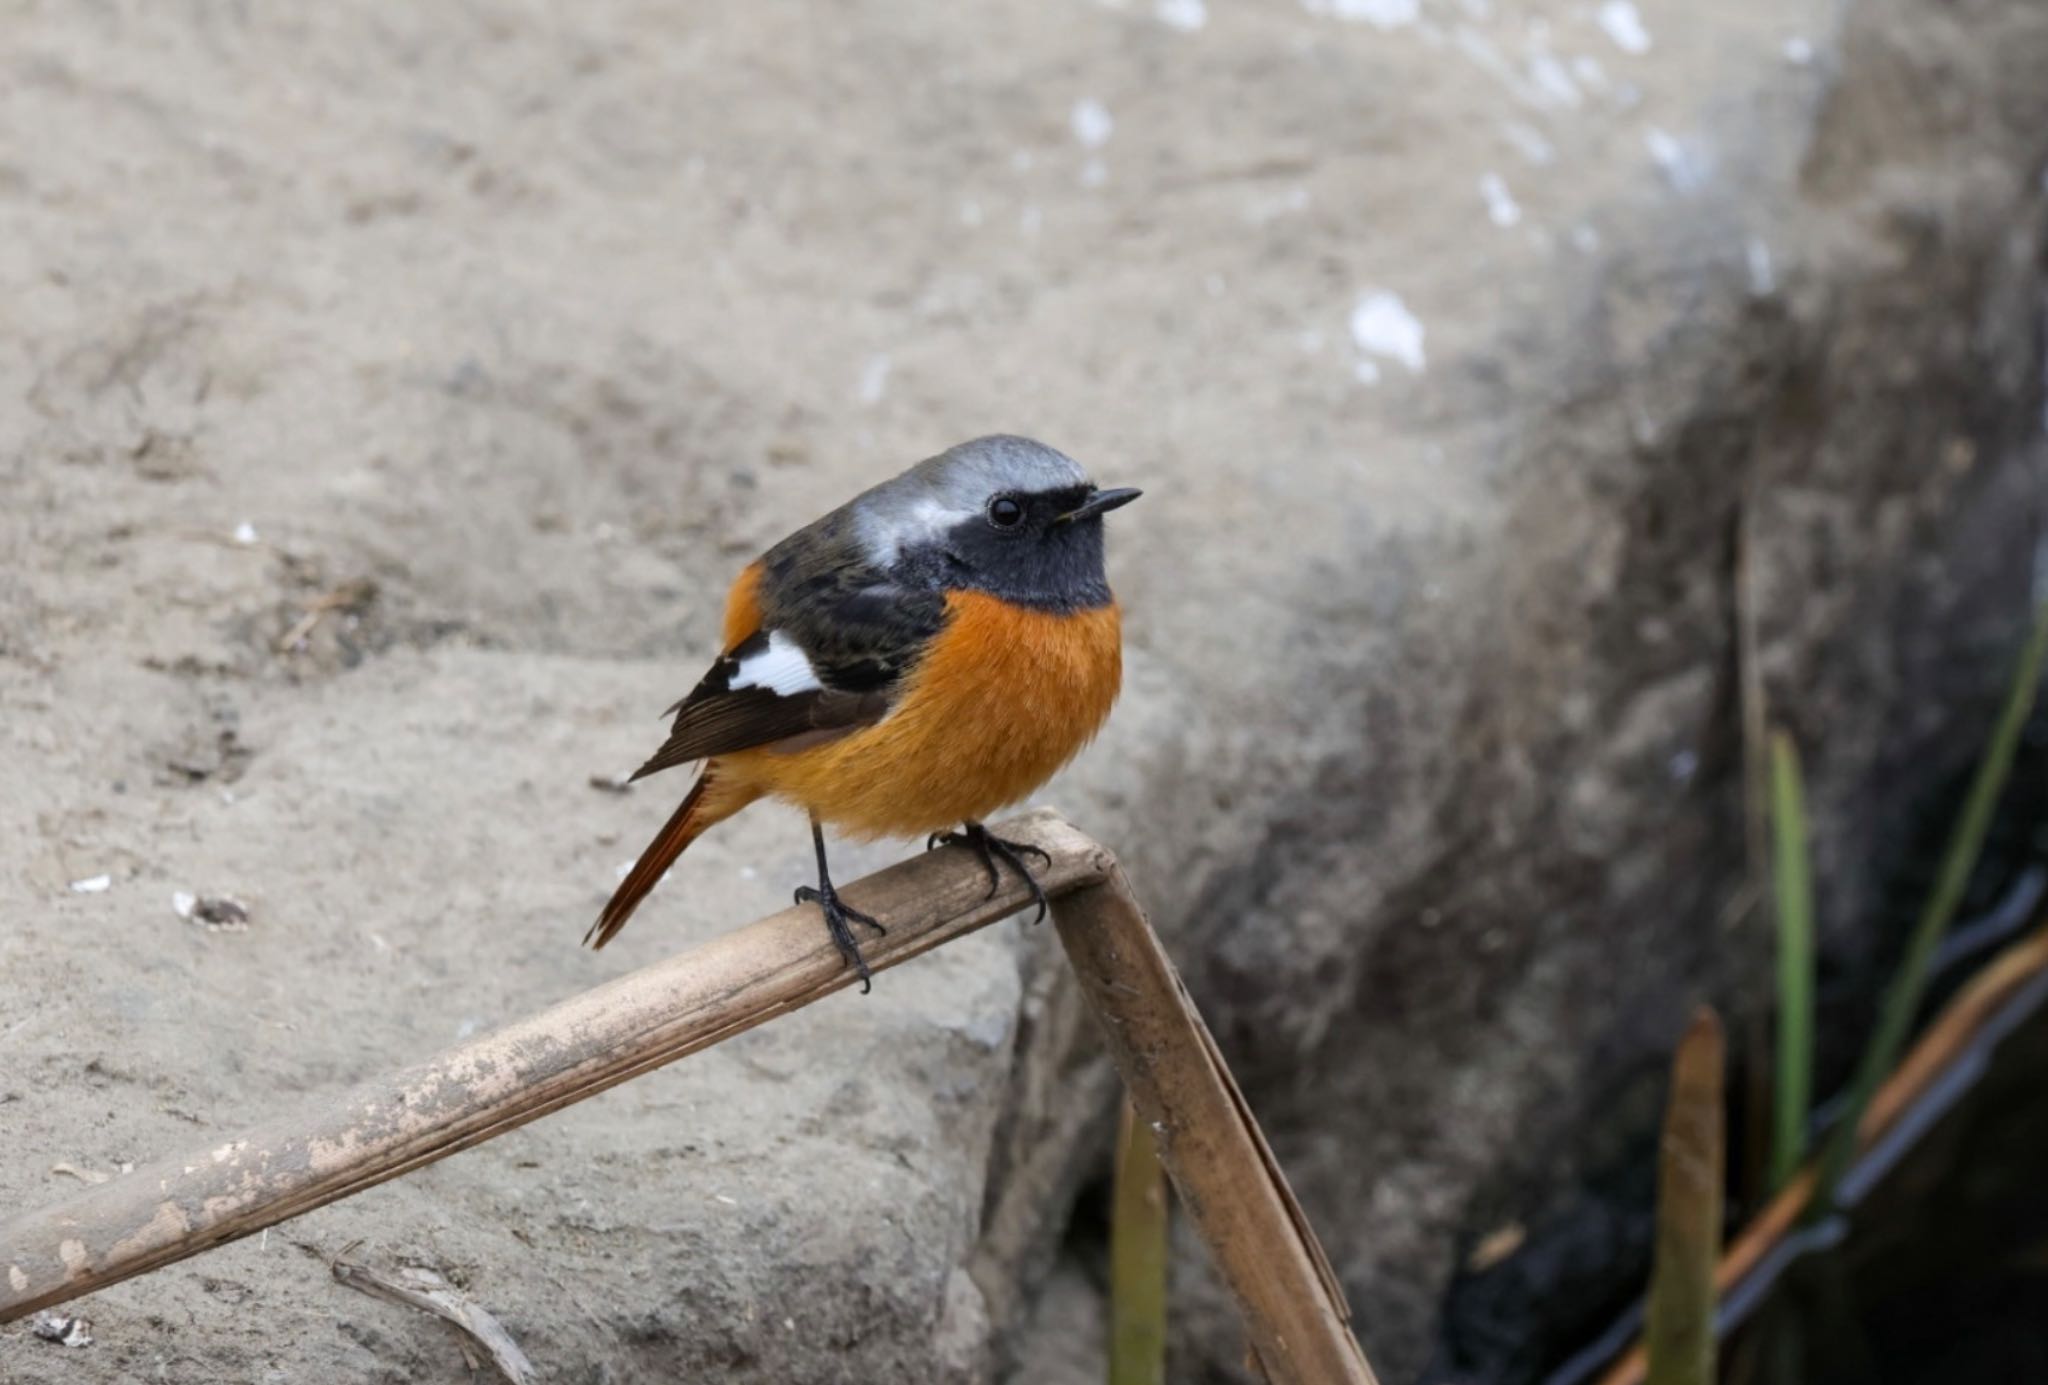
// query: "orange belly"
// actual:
[[1005, 697]]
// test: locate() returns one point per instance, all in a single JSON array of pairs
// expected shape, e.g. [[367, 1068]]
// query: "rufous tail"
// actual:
[[697, 812]]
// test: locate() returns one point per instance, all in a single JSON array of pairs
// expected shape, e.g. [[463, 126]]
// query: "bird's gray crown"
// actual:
[[943, 491]]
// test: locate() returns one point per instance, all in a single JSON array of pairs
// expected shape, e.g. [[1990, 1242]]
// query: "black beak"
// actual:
[[1101, 503]]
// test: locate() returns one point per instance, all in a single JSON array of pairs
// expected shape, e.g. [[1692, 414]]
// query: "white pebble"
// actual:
[[182, 903], [1798, 52], [1381, 325], [93, 884], [1624, 24], [1672, 159], [245, 533], [1091, 123], [1184, 15], [1553, 83], [1501, 208]]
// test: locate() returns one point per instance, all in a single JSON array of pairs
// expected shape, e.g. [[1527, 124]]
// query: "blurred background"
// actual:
[[1538, 403]]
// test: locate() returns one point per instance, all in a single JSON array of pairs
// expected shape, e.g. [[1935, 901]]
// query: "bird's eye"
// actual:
[[1005, 512]]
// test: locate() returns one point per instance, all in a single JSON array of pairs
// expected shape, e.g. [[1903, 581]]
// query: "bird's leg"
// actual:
[[992, 848], [839, 917]]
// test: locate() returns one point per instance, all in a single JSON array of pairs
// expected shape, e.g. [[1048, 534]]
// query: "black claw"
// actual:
[[969, 838], [839, 918], [992, 848], [988, 863], [829, 901]]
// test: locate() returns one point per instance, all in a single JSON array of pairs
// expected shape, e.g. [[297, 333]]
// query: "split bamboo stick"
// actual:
[[1223, 1170], [386, 1127], [391, 1125]]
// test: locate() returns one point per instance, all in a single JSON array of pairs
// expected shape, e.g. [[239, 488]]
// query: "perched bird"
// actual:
[[930, 651]]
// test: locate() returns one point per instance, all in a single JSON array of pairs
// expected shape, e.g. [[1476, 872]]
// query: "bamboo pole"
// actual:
[[1225, 1174], [386, 1127], [392, 1125]]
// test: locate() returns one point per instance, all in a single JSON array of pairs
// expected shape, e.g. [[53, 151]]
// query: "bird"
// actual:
[[931, 651]]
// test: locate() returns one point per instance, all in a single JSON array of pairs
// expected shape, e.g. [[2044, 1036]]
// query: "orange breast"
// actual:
[[1005, 696]]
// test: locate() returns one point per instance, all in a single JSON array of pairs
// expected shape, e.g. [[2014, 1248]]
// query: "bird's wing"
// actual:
[[818, 668]]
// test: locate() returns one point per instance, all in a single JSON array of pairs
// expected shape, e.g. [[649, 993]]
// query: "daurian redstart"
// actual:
[[925, 654]]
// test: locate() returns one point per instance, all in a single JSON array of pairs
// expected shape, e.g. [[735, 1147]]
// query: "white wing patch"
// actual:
[[781, 668]]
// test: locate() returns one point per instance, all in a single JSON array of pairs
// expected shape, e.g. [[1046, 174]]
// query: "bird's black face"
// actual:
[[1037, 548]]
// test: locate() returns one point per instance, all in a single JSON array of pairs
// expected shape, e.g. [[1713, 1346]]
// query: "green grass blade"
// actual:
[[1792, 877], [1679, 1333], [1137, 1259], [1902, 998]]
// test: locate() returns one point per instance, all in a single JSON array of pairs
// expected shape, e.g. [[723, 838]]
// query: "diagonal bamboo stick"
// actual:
[[391, 1125]]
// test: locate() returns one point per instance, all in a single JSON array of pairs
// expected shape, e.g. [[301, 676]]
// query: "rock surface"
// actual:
[[387, 396]]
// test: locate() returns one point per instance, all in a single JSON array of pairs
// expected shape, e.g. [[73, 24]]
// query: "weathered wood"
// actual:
[[1226, 1176], [414, 1286], [391, 1125]]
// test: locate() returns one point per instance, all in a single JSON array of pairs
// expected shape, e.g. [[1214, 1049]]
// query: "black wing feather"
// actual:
[[860, 639]]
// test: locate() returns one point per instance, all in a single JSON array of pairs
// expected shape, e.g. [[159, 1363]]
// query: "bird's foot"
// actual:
[[839, 920], [992, 848]]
